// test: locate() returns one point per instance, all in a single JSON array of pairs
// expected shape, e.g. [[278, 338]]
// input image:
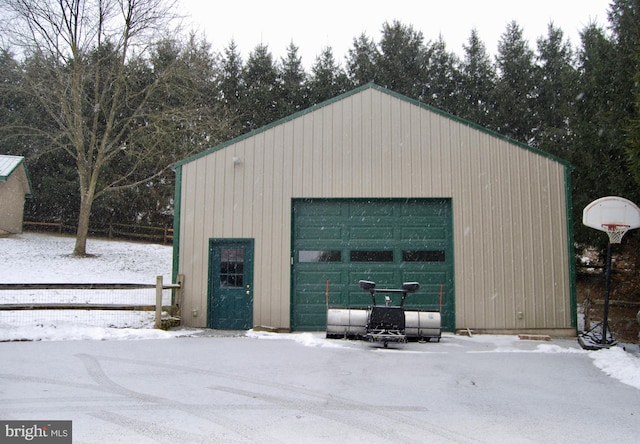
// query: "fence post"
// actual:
[[158, 301]]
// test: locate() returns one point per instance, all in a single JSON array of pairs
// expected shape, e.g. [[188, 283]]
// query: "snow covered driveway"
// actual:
[[303, 388]]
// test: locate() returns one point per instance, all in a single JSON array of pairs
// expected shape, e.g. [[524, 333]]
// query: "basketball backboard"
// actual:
[[603, 213]]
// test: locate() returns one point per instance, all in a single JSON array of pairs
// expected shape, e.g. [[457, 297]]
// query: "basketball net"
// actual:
[[615, 232]]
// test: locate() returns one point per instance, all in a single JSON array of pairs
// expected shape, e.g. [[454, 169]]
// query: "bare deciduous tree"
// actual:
[[89, 93]]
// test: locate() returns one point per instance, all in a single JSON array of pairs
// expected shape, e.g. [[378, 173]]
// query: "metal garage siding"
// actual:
[[508, 202], [515, 247]]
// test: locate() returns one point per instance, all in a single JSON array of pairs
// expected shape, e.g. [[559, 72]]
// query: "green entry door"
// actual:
[[337, 242], [230, 296]]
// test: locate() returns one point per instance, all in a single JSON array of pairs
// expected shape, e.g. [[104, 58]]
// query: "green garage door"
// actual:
[[337, 242]]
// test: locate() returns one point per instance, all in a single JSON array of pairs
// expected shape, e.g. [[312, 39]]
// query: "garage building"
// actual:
[[373, 185]]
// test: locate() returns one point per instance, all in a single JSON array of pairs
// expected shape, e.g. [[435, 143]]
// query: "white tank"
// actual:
[[422, 324], [346, 322]]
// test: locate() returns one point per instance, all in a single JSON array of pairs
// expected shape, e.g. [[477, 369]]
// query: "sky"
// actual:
[[314, 26]]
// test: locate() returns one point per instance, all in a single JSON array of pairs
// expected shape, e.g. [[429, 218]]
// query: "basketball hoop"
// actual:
[[615, 216], [615, 232]]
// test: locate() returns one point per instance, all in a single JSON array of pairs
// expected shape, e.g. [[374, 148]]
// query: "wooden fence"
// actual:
[[111, 231], [53, 301]]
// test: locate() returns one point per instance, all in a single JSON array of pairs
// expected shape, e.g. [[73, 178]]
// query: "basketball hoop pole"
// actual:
[[615, 233], [605, 321]]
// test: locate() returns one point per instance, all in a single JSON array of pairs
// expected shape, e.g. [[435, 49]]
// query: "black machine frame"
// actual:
[[386, 323]]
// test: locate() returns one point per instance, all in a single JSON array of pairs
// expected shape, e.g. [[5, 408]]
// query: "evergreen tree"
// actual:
[[442, 88], [262, 97], [327, 79], [361, 61], [292, 78], [557, 83], [632, 145], [515, 89], [624, 17], [201, 69], [24, 126], [14, 101], [598, 155], [232, 89], [477, 83], [403, 60], [183, 114]]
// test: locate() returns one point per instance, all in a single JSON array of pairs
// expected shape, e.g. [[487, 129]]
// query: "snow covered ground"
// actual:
[[43, 258], [203, 386]]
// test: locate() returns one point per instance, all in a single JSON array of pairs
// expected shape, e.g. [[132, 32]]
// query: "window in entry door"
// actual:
[[232, 267]]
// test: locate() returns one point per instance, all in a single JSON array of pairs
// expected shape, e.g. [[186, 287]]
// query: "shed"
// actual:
[[15, 187], [273, 226]]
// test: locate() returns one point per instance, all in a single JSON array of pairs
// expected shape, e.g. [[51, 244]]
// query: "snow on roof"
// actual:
[[8, 164]]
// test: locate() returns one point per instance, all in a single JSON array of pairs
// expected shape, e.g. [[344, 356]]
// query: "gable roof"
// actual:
[[357, 91], [9, 164]]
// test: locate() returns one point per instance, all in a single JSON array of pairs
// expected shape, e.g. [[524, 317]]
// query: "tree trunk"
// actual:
[[87, 194], [83, 226]]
